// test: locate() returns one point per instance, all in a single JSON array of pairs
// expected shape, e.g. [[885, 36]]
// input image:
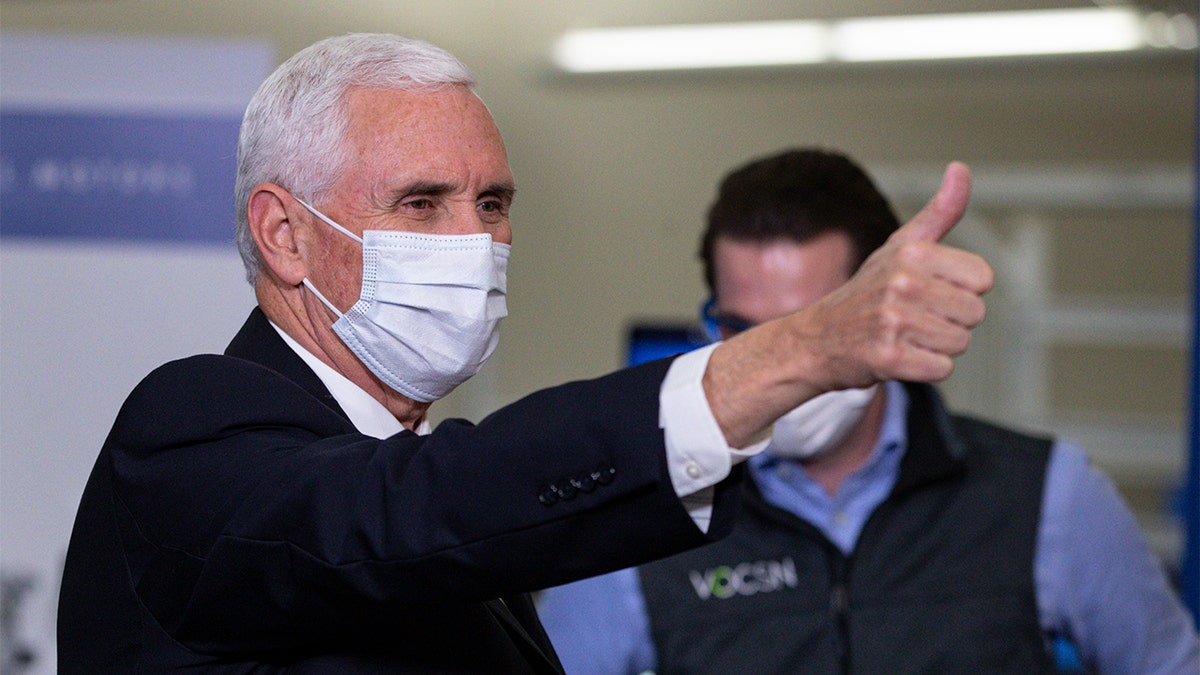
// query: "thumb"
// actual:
[[944, 210]]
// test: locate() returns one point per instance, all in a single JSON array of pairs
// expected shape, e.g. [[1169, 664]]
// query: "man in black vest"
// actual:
[[880, 533]]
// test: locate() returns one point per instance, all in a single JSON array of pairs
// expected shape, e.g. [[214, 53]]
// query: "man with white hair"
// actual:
[[285, 507]]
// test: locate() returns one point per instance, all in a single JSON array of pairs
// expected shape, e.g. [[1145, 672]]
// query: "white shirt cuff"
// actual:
[[698, 456]]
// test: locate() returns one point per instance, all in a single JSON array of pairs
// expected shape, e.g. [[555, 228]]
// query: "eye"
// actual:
[[419, 204], [492, 208]]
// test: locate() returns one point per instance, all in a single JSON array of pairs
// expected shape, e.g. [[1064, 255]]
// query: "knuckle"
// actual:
[[979, 313], [891, 353], [903, 283], [987, 277], [961, 342], [914, 253], [891, 323]]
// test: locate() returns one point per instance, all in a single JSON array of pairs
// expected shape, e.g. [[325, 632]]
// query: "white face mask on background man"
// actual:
[[429, 312], [819, 424]]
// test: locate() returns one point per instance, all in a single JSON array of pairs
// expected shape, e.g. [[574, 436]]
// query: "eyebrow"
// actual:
[[504, 190], [422, 187]]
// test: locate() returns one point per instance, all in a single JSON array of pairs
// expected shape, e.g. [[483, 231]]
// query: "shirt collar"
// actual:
[[893, 431], [366, 413]]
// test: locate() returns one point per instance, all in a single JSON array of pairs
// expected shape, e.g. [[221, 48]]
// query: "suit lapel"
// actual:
[[257, 341]]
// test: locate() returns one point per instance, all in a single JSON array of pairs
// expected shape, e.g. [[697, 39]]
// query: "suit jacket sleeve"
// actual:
[[254, 516]]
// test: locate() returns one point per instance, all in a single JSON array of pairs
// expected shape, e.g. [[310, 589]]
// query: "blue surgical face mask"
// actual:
[[429, 313]]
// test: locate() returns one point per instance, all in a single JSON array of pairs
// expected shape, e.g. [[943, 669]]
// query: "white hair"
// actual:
[[294, 126]]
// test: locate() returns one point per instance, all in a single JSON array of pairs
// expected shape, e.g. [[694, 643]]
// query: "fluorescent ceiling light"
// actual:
[[715, 45], [936, 36], [948, 36]]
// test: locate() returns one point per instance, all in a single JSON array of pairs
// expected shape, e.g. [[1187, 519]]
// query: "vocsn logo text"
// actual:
[[748, 578]]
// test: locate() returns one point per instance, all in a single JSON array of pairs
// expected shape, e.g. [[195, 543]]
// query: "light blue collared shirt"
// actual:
[[1096, 580], [785, 483]]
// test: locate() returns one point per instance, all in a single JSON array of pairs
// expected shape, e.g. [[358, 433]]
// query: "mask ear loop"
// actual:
[[313, 289], [329, 220], [308, 284]]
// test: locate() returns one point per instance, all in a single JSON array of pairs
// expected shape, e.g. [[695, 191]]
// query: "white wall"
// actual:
[[85, 317]]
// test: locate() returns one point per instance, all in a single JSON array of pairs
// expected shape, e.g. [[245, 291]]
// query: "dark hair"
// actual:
[[797, 195]]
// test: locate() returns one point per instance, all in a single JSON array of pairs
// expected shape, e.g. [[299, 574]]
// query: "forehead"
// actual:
[[760, 280], [447, 130]]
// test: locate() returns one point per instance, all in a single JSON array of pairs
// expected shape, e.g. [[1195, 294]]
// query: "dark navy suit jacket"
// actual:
[[236, 522]]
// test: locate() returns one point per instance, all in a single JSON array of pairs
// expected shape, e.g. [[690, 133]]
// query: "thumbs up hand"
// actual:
[[909, 309], [904, 315]]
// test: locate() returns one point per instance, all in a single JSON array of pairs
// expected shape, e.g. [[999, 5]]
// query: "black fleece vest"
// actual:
[[940, 581]]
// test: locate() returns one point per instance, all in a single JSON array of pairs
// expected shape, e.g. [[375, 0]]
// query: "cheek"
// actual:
[[503, 234], [348, 275], [338, 273]]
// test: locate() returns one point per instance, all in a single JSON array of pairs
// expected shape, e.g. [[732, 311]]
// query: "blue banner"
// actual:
[[121, 177]]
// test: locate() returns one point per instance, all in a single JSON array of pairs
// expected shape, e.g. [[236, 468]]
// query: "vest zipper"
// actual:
[[839, 607]]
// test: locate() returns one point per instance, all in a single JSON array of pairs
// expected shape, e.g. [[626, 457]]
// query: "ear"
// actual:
[[270, 216]]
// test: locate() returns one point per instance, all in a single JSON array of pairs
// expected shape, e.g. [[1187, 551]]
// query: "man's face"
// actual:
[[759, 281], [430, 162]]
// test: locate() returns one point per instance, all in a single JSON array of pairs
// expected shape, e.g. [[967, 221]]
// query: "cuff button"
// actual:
[[566, 491], [584, 482], [603, 474]]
